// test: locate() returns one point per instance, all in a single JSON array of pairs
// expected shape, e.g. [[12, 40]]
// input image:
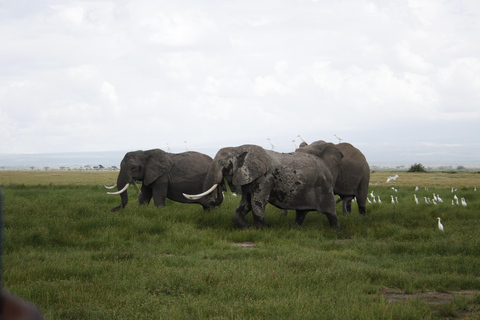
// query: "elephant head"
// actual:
[[146, 166], [240, 165]]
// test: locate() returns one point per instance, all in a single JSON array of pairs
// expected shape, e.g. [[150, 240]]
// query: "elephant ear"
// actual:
[[332, 156], [157, 164], [251, 164]]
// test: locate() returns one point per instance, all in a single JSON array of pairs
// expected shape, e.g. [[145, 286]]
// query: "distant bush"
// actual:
[[417, 167]]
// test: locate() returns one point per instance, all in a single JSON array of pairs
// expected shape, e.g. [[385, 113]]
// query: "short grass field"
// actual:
[[67, 253]]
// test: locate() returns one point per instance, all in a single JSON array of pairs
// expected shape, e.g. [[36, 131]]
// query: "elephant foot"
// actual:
[[245, 226], [333, 220], [259, 223], [363, 210], [300, 216], [241, 223]]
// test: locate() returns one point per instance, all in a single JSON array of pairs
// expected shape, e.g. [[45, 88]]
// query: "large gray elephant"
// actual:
[[296, 181], [351, 176], [165, 175]]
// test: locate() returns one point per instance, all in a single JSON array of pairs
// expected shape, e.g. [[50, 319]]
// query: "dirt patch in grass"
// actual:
[[432, 297], [453, 305], [246, 244]]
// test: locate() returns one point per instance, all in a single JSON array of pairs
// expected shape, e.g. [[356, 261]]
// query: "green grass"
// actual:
[[65, 252]]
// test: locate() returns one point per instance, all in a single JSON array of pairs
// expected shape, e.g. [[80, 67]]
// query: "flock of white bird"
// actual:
[[434, 200]]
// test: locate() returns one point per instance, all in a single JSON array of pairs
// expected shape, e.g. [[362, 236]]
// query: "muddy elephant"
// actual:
[[351, 176], [165, 175], [296, 181]]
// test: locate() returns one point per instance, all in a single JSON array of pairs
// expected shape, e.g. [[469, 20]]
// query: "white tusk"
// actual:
[[111, 187], [120, 191], [198, 196]]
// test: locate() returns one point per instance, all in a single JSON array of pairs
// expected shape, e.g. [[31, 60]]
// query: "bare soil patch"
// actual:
[[432, 297], [246, 244]]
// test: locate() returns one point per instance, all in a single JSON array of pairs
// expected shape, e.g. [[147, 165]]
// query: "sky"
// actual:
[[399, 79]]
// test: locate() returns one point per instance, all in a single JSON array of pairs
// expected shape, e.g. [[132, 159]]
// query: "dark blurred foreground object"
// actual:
[[13, 308]]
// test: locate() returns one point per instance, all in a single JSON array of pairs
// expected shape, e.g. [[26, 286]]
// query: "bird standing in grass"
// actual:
[[440, 225]]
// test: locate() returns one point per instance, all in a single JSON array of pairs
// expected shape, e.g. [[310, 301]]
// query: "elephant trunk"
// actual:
[[123, 181]]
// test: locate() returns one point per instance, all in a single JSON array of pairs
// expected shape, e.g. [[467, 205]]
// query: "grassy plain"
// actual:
[[74, 259]]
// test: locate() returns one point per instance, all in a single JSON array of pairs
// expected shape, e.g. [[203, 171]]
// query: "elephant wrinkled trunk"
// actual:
[[123, 182]]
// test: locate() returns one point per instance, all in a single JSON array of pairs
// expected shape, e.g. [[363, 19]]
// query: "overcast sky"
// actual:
[[398, 79]]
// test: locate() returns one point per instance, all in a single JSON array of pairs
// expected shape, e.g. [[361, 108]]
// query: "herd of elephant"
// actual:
[[305, 180]]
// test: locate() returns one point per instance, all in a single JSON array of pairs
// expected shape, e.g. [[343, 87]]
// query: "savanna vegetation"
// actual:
[[67, 253]]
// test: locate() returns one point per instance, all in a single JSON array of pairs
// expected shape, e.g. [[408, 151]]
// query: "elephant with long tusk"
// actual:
[[165, 175], [296, 181]]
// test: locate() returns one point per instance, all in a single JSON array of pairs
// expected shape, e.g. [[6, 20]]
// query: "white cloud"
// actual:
[[109, 90], [80, 70]]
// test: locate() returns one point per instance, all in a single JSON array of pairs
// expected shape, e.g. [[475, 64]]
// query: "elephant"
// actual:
[[297, 181], [351, 176], [165, 175]]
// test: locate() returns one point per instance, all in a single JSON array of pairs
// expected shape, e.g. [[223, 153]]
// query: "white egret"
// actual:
[[339, 138], [186, 145], [295, 144], [416, 188], [379, 200], [456, 199], [464, 202], [168, 147], [440, 225], [439, 199], [369, 201], [301, 138], [416, 199], [396, 199], [393, 200], [394, 178], [271, 143]]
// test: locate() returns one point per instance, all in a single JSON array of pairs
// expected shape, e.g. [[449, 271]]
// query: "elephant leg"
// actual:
[[347, 204], [159, 193], [362, 204], [261, 191], [243, 208], [258, 209], [327, 207], [300, 216], [145, 196]]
